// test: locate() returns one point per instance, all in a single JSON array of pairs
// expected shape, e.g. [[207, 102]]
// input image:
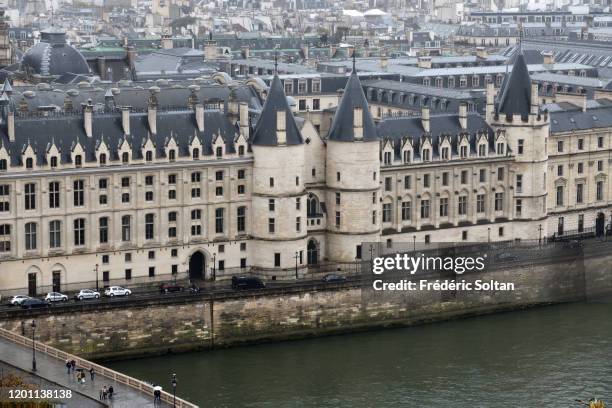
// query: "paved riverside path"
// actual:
[[55, 370]]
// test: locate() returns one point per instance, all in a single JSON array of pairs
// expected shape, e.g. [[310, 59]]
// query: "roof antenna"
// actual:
[[520, 44], [276, 60]]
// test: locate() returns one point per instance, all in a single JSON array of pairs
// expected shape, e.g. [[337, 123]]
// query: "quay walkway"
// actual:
[[129, 392]]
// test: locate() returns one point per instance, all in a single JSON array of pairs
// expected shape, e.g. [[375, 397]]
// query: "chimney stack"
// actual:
[[125, 119], [10, 123], [384, 62], [549, 58], [358, 123], [281, 134], [490, 108], [535, 98], [481, 53], [424, 62], [199, 113], [244, 119], [463, 115], [152, 115], [425, 119], [88, 119]]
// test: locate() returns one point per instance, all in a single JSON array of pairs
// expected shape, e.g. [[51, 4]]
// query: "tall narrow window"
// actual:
[[241, 219], [55, 234], [5, 200], [219, 220], [79, 193], [149, 226], [5, 238], [30, 236], [126, 228], [103, 230], [54, 194], [79, 232], [30, 196]]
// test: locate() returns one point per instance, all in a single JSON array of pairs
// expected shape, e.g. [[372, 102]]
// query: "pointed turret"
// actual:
[[515, 94], [352, 120], [276, 121]]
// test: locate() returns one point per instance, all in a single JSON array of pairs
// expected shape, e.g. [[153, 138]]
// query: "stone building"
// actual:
[[202, 181]]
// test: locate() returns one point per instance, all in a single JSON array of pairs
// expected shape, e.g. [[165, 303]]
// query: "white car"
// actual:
[[17, 300], [87, 294], [56, 297], [117, 291]]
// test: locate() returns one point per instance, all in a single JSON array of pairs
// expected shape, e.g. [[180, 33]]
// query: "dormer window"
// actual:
[[195, 154], [53, 162], [500, 148], [445, 153], [149, 156], [219, 152], [425, 155], [29, 163], [3, 165], [463, 152], [407, 158], [102, 159], [241, 150], [125, 158], [172, 155], [78, 160], [482, 150], [387, 158]]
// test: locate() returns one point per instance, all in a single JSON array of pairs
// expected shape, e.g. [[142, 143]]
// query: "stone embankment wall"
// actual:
[[204, 323]]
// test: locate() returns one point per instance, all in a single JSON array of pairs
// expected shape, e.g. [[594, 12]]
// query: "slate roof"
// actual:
[[515, 93], [342, 125], [65, 131], [265, 131], [397, 129], [576, 119]]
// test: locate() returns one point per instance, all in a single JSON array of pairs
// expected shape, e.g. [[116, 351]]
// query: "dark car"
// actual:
[[34, 303], [333, 277], [170, 287], [247, 282]]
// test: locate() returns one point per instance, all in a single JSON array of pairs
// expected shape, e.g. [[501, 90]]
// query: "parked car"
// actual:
[[117, 291], [34, 303], [170, 287], [56, 297], [334, 277], [87, 294], [17, 299], [247, 282]]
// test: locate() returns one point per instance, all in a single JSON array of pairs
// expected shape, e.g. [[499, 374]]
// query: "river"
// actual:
[[545, 357]]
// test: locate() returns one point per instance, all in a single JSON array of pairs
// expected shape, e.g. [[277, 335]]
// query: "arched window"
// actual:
[[172, 155], [312, 251], [78, 160], [195, 153], [102, 159], [312, 206]]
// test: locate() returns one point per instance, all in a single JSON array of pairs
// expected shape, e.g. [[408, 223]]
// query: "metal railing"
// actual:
[[62, 356]]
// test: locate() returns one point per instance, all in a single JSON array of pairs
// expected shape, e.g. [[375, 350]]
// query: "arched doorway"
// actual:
[[197, 266], [312, 252], [600, 222]]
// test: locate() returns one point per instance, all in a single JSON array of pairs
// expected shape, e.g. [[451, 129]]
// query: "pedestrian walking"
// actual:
[[110, 392], [100, 393], [104, 392], [91, 373], [68, 366], [73, 364]]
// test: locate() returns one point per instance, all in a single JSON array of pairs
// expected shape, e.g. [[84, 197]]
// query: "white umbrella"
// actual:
[[157, 388]]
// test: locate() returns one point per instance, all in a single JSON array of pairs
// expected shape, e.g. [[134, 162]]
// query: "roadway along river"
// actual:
[[541, 357]]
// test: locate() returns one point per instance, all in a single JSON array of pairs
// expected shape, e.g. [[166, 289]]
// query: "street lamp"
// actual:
[[371, 255], [33, 346], [489, 234], [297, 254], [96, 269], [540, 235], [414, 243], [214, 271], [174, 390]]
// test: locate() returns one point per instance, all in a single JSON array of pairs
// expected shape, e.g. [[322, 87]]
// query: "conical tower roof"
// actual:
[[342, 125], [515, 93], [265, 130]]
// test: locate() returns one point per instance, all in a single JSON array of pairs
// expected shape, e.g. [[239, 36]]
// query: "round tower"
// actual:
[[517, 110], [352, 176], [279, 196]]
